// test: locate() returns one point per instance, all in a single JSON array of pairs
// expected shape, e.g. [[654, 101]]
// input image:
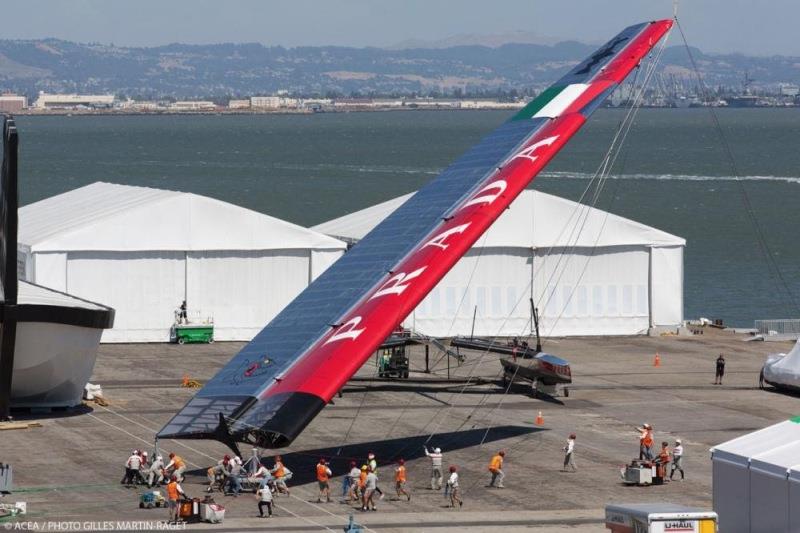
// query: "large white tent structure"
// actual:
[[589, 272], [756, 480], [143, 251]]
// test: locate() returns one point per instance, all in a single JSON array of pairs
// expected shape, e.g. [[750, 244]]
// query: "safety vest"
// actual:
[[647, 440], [664, 455], [279, 472], [172, 490], [322, 472], [496, 464], [178, 462], [400, 474], [362, 479]]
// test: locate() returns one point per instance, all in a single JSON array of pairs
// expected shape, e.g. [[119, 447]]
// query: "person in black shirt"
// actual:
[[720, 370]]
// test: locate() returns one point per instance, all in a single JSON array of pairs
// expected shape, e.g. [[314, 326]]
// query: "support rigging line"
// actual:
[[769, 258]]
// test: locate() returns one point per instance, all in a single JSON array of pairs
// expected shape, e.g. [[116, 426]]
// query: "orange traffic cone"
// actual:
[[185, 380], [539, 419], [657, 360]]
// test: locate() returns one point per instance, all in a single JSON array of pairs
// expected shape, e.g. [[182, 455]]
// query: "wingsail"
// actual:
[[269, 392]]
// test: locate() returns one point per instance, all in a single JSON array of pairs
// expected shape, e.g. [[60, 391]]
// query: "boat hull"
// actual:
[[52, 364]]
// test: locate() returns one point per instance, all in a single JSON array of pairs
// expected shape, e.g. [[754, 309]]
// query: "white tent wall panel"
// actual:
[[769, 505], [321, 260], [50, 270], [666, 279], [731, 491], [244, 290], [144, 288], [600, 291], [603, 291]]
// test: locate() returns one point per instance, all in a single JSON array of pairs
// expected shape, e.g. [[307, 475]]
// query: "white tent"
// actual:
[[783, 370], [143, 251], [588, 271], [756, 480]]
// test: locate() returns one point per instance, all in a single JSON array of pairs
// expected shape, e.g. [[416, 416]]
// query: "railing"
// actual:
[[789, 326]]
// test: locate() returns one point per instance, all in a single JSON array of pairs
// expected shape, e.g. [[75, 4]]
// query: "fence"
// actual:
[[779, 327]]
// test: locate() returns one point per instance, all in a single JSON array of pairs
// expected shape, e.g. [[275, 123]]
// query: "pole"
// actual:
[[427, 359], [474, 314], [535, 314], [9, 201]]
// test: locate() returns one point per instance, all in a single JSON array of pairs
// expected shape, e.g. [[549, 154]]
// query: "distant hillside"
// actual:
[[185, 71]]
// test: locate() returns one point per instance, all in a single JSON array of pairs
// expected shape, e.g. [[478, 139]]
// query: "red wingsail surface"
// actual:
[[296, 377]]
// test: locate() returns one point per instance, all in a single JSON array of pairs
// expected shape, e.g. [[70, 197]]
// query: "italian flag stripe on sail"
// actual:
[[552, 102]]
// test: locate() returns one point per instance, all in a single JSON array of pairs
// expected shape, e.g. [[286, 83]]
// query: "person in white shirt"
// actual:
[[260, 476], [354, 476], [677, 459], [156, 472], [132, 466], [264, 497], [436, 467], [370, 485], [452, 484], [569, 454]]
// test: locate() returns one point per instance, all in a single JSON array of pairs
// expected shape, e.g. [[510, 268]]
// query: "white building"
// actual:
[[193, 105], [12, 103], [143, 251], [273, 102], [589, 272], [69, 101], [238, 104]]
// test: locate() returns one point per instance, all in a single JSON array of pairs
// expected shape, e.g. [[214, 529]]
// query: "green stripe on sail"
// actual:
[[795, 419], [535, 105]]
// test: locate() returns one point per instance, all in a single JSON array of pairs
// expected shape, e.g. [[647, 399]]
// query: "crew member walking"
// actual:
[[496, 468], [264, 497], [436, 467], [677, 459], [569, 454], [281, 474], [452, 484], [720, 370], [323, 480], [400, 479]]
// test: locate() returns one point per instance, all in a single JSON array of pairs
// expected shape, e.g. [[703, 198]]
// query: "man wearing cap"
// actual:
[[646, 442], [400, 480], [436, 467], [677, 459]]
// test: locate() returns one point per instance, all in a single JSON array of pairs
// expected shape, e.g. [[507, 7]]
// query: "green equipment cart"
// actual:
[[191, 333]]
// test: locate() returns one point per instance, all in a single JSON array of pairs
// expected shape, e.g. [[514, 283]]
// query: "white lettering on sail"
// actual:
[[499, 185], [527, 152], [439, 240], [346, 331], [397, 283]]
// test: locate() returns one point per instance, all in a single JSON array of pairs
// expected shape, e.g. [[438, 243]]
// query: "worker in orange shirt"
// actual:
[[496, 468], [176, 466], [662, 461], [646, 442], [281, 474], [323, 480], [400, 479], [174, 493], [362, 479]]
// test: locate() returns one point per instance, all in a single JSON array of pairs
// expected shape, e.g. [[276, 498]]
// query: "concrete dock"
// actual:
[[69, 469]]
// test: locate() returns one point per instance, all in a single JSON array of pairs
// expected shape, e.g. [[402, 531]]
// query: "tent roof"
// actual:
[[760, 443], [110, 217], [535, 219]]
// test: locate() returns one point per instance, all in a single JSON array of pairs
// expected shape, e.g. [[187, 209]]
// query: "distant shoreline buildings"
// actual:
[[786, 95]]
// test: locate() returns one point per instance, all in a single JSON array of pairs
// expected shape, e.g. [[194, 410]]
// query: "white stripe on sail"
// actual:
[[562, 101]]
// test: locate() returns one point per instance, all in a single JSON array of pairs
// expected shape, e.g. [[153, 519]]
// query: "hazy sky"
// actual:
[[760, 27]]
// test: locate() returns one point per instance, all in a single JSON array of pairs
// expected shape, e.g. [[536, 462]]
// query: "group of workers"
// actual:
[[140, 471], [664, 456]]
